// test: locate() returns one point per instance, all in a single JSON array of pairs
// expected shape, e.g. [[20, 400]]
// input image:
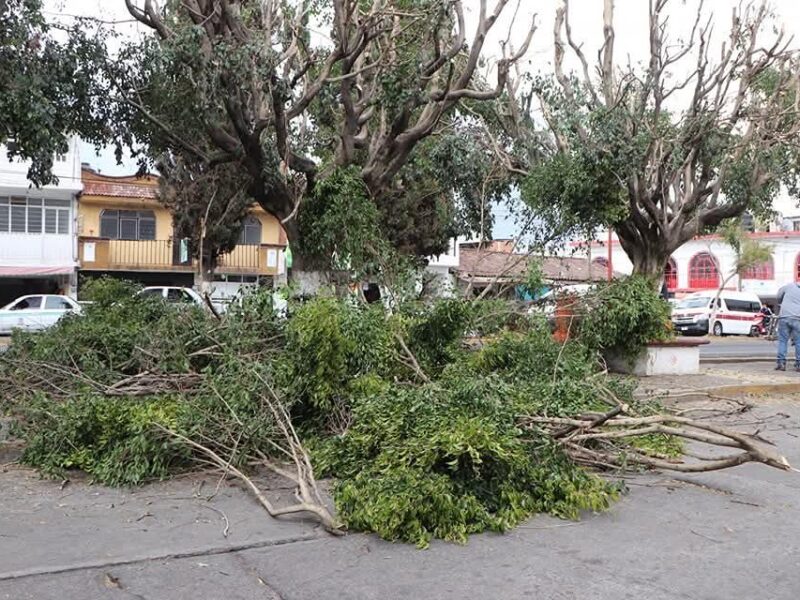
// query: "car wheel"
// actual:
[[718, 329]]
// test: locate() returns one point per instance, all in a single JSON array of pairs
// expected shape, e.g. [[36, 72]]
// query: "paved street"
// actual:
[[733, 534], [738, 347]]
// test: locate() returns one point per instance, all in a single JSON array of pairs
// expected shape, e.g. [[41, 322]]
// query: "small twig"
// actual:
[[224, 517]]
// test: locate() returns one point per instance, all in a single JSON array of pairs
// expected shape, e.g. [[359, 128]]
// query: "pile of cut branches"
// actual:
[[422, 434]]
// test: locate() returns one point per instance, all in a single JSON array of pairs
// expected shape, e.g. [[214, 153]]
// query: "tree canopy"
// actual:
[[209, 206], [251, 83], [668, 150], [48, 86]]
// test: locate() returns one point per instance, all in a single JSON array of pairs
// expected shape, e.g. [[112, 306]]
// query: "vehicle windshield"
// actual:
[[701, 302]]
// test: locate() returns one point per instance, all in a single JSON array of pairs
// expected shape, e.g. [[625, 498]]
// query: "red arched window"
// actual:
[[703, 272], [671, 275], [765, 271]]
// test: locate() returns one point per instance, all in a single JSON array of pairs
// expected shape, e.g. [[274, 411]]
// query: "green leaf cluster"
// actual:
[[417, 452], [624, 316]]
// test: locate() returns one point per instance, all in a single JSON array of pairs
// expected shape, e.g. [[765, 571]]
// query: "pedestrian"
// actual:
[[788, 324], [766, 317]]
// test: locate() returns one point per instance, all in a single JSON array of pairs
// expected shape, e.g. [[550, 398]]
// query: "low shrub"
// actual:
[[625, 316]]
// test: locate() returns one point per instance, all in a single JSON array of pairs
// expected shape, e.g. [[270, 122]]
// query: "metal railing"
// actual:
[[142, 254], [171, 255], [246, 257]]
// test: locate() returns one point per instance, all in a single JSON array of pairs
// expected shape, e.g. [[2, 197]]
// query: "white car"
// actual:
[[172, 294], [36, 312]]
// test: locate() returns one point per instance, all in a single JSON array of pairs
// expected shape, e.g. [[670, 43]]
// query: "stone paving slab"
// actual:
[[720, 376], [45, 528]]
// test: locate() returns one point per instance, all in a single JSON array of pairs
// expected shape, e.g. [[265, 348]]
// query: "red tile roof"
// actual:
[[129, 186], [481, 264]]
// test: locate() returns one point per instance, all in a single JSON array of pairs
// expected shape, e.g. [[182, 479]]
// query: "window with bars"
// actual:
[[128, 224], [703, 272], [251, 232], [762, 271], [34, 215]]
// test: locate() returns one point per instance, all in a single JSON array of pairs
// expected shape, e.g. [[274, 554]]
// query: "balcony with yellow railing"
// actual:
[[102, 254]]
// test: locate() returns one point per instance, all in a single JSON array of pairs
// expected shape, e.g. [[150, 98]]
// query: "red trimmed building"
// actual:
[[704, 262]]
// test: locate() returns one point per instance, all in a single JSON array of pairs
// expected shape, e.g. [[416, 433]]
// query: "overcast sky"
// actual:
[[585, 18]]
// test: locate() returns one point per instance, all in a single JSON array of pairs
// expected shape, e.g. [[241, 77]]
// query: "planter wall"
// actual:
[[675, 357]]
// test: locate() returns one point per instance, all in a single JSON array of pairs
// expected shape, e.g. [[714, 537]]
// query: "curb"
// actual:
[[736, 360], [755, 389]]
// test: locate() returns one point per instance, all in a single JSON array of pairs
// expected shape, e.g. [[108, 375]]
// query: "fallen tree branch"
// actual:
[[590, 439], [319, 511]]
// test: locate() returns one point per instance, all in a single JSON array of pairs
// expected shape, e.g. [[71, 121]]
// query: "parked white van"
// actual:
[[737, 314]]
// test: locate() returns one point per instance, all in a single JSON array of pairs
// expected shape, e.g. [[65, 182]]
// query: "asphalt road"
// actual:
[[738, 347]]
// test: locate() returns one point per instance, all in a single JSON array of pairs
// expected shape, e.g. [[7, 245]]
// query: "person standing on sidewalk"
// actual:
[[788, 324]]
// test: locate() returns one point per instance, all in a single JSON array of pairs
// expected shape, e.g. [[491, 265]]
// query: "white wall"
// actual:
[[37, 250], [785, 250], [13, 175], [42, 249], [450, 258]]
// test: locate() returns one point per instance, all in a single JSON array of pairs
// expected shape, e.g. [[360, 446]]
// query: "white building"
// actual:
[[441, 270], [706, 261], [38, 245]]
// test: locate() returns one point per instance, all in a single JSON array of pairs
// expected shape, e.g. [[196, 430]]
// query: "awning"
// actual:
[[36, 271]]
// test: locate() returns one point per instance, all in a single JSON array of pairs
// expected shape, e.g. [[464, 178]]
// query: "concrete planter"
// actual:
[[674, 357]]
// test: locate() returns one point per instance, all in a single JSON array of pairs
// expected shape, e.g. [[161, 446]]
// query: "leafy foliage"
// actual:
[[52, 86], [329, 345], [418, 451], [340, 224], [112, 439], [446, 459], [626, 316], [107, 290]]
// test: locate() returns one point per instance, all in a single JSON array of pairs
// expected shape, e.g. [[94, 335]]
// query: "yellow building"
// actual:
[[123, 230]]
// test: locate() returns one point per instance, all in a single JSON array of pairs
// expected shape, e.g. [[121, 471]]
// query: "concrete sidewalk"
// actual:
[[733, 534], [755, 378]]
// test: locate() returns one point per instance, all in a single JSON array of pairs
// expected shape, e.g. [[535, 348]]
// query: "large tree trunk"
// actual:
[[649, 254], [305, 278]]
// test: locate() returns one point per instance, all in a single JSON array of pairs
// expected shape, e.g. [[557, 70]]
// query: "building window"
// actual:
[[33, 215], [251, 232], [671, 275], [128, 224], [703, 272], [763, 271]]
